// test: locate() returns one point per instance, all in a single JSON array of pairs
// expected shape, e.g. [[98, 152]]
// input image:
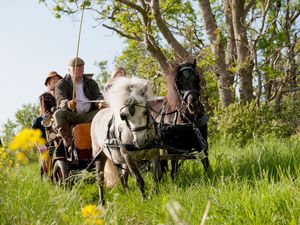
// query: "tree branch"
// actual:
[[249, 6], [179, 50], [156, 53], [123, 34], [132, 5]]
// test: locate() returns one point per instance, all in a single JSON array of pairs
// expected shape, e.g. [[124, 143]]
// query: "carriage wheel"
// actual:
[[60, 172]]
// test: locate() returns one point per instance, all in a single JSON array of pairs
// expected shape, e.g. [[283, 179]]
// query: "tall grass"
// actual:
[[256, 184]]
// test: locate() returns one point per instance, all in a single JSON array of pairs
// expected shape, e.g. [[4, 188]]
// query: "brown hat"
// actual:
[[72, 62], [50, 75]]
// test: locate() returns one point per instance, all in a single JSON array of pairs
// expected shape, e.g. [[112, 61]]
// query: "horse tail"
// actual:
[[111, 174]]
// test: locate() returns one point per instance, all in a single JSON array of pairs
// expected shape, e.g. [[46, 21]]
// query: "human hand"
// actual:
[[72, 104]]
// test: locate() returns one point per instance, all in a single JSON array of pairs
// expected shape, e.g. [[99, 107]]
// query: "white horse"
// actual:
[[124, 132]]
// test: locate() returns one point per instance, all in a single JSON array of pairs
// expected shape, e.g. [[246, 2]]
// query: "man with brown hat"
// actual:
[[47, 102], [75, 106], [47, 99]]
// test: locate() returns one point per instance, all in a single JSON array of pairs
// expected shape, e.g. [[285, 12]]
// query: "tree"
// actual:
[[8, 131], [235, 47], [26, 115]]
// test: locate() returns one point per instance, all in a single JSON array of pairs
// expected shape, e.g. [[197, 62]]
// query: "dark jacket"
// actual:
[[37, 124], [64, 91], [47, 102]]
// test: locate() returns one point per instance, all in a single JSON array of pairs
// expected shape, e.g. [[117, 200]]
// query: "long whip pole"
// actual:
[[77, 51]]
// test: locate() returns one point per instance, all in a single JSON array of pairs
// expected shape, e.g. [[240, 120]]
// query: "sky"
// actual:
[[33, 42]]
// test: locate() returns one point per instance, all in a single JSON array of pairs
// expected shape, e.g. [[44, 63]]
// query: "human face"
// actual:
[[52, 82], [79, 72]]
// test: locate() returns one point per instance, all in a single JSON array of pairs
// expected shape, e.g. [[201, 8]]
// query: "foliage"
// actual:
[[9, 130], [26, 115], [243, 123], [138, 62], [103, 76]]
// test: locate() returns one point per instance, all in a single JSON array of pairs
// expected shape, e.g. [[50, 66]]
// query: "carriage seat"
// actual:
[[82, 136], [82, 140]]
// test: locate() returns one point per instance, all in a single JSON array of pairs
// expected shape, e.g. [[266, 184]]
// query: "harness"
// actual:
[[182, 138], [114, 142]]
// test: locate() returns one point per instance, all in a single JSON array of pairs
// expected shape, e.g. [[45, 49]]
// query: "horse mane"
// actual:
[[126, 91]]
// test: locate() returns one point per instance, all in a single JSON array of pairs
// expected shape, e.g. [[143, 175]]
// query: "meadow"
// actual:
[[254, 184]]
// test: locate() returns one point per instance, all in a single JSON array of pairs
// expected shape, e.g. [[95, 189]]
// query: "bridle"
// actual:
[[141, 128], [148, 126], [181, 93]]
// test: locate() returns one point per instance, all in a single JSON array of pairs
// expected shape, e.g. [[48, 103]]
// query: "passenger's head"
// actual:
[[119, 72], [79, 69], [51, 80]]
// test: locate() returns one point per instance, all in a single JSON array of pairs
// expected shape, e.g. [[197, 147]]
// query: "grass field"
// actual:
[[256, 184]]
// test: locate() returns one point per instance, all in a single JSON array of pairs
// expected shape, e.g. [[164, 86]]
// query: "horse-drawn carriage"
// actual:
[[135, 127]]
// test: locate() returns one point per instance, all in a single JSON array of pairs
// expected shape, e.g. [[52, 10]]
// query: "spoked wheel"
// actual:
[[60, 172]]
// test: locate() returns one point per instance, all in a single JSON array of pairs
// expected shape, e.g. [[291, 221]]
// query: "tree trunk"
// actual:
[[245, 60], [214, 36]]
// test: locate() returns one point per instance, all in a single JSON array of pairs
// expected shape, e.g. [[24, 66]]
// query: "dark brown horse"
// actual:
[[183, 111]]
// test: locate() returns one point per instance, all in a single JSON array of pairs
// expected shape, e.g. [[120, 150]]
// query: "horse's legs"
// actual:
[[164, 165], [174, 169], [205, 163], [100, 163], [164, 162], [157, 172], [136, 174], [123, 173]]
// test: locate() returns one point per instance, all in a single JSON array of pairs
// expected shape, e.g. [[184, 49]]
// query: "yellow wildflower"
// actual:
[[44, 155], [21, 157], [98, 222], [26, 138], [89, 211]]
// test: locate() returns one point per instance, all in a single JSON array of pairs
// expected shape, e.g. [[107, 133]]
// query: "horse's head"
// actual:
[[136, 124], [187, 82]]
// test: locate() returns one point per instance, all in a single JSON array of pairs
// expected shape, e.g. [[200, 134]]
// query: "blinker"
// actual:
[[131, 110]]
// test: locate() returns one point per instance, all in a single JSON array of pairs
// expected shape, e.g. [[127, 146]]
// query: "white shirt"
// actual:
[[82, 105]]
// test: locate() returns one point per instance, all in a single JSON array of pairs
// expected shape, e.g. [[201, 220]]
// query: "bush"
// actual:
[[240, 123]]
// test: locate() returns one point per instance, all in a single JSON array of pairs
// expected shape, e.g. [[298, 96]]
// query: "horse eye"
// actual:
[[131, 110]]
